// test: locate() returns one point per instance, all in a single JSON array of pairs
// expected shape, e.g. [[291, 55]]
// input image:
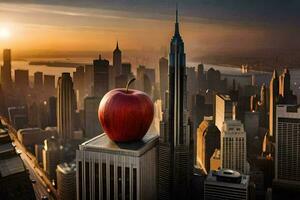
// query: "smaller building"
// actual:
[[226, 184], [110, 170], [66, 181]]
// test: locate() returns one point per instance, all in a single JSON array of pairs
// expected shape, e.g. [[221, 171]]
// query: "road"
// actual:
[[42, 182], [40, 188]]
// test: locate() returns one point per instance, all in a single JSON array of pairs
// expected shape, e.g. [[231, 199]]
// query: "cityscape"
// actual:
[[150, 114]]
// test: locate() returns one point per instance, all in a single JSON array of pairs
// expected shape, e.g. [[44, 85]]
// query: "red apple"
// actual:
[[125, 115]]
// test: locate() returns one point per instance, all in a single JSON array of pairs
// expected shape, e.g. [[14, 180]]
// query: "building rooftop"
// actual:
[[228, 176], [11, 166], [104, 144], [67, 168], [7, 147], [226, 97]]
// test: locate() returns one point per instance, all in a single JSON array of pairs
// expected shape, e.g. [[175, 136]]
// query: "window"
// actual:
[[111, 171], [87, 180], [127, 196], [119, 183], [134, 184], [104, 180], [80, 179], [96, 181]]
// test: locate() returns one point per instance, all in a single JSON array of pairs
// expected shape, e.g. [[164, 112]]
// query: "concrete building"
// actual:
[[66, 106], [49, 84], [91, 121], [223, 110], [51, 157], [21, 80], [109, 170], [6, 80], [176, 144], [233, 146], [273, 95], [208, 139], [117, 61], [163, 76], [226, 184], [215, 160], [31, 136], [100, 77], [287, 162], [38, 80], [66, 181]]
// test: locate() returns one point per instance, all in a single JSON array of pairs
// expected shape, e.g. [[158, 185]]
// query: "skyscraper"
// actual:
[[91, 121], [49, 84], [66, 181], [38, 80], [223, 110], [101, 77], [21, 79], [66, 106], [274, 95], [163, 76], [6, 80], [109, 170], [51, 157], [176, 139], [263, 106], [117, 61], [233, 146], [287, 162], [208, 139]]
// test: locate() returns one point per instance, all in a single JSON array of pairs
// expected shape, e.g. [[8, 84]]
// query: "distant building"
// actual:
[[233, 146], [52, 120], [163, 76], [6, 79], [100, 77], [223, 110], [287, 162], [51, 157], [38, 82], [66, 106], [18, 117], [126, 69], [22, 80], [215, 160], [274, 96], [117, 61], [66, 181], [208, 139], [226, 184], [31, 136], [49, 84], [88, 79], [92, 125], [109, 170], [79, 86]]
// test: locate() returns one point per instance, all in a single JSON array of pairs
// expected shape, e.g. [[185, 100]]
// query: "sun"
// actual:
[[4, 33]]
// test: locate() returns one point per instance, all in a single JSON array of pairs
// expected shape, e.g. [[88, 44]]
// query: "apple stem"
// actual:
[[128, 83]]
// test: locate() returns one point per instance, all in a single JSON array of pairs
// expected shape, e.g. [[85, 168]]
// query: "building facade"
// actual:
[[66, 106], [226, 184], [108, 170], [66, 181], [176, 138], [223, 110], [233, 146], [287, 162]]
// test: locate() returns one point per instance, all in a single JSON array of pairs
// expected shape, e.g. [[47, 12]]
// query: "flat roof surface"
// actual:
[[104, 144], [6, 148], [11, 166]]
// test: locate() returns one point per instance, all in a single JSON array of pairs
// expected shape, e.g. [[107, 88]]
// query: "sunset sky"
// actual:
[[207, 26]]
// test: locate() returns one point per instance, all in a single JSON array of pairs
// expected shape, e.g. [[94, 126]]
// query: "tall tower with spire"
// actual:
[[176, 139], [117, 61]]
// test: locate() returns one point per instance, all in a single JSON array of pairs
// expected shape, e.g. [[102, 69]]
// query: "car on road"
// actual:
[[44, 197], [33, 181]]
